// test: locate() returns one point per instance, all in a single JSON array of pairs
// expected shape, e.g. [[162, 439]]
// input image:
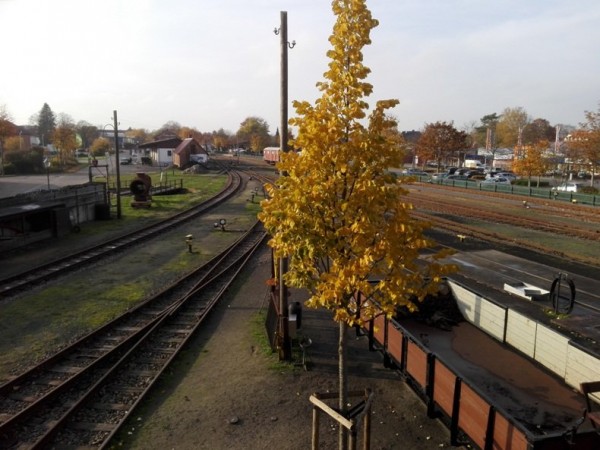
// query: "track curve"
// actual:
[[75, 261]]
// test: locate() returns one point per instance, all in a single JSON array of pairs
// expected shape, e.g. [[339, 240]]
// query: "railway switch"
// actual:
[[253, 194], [188, 240], [221, 223]]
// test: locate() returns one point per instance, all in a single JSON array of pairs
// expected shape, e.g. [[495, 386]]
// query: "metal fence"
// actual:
[[541, 192]]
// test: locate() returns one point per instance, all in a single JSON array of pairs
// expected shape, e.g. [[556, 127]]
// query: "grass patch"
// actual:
[[259, 335], [253, 208], [198, 188], [572, 247], [54, 316], [46, 319]]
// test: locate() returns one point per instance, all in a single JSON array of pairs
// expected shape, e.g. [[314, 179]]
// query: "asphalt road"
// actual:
[[11, 185]]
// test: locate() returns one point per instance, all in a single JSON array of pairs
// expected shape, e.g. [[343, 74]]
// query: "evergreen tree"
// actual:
[[46, 123]]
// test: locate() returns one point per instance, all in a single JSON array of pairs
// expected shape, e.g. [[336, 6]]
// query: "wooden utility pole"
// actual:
[[286, 343], [117, 163]]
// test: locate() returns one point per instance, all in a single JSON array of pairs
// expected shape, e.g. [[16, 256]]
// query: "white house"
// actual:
[[161, 151]]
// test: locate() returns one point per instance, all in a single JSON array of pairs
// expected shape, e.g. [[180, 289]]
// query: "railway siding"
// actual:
[[570, 231], [136, 347]]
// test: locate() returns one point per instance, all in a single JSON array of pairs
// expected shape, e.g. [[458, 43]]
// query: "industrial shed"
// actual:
[[187, 152]]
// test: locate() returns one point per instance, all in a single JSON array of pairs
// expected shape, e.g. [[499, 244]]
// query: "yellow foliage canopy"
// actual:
[[338, 215]]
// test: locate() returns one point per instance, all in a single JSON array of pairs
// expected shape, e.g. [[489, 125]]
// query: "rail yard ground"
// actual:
[[228, 393]]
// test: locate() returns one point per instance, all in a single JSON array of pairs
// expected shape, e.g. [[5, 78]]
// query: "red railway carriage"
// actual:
[[271, 155]]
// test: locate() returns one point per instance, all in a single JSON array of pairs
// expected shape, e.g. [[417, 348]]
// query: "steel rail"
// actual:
[[540, 223], [90, 357], [99, 415], [74, 261], [473, 231], [592, 305]]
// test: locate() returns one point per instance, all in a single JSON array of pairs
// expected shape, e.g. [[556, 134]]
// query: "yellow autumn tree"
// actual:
[[337, 214], [64, 138], [532, 162], [584, 143]]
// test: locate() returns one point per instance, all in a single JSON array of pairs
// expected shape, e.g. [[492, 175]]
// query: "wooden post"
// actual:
[[367, 430], [361, 411], [352, 438], [315, 429]]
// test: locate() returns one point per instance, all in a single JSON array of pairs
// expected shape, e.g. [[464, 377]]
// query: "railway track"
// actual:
[[468, 213], [464, 231], [80, 396], [454, 212], [75, 261], [585, 298], [498, 200], [559, 222]]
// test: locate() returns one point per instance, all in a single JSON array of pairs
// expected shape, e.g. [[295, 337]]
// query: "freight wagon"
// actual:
[[271, 155]]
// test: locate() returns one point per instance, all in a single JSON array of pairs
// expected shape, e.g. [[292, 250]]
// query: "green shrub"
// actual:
[[24, 162], [591, 190], [534, 182], [9, 169]]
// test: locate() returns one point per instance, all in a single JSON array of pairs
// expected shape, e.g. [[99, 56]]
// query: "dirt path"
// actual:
[[225, 395]]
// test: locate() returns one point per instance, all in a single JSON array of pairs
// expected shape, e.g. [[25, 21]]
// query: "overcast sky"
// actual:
[[210, 64]]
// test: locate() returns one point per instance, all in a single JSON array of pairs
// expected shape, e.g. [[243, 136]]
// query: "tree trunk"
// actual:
[[343, 391]]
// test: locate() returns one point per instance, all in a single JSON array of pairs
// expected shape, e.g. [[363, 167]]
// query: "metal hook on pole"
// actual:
[[278, 30]]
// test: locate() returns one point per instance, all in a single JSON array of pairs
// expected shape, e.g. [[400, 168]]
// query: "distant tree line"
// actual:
[[537, 145], [66, 137]]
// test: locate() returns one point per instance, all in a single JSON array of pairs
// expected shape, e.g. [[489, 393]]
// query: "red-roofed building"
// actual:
[[189, 151]]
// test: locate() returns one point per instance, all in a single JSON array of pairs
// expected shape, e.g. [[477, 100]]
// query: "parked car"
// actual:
[[475, 173], [457, 177], [567, 187], [496, 180], [511, 176], [125, 160], [411, 171], [438, 176], [415, 173]]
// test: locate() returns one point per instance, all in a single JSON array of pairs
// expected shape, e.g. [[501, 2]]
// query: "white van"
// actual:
[[567, 187]]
